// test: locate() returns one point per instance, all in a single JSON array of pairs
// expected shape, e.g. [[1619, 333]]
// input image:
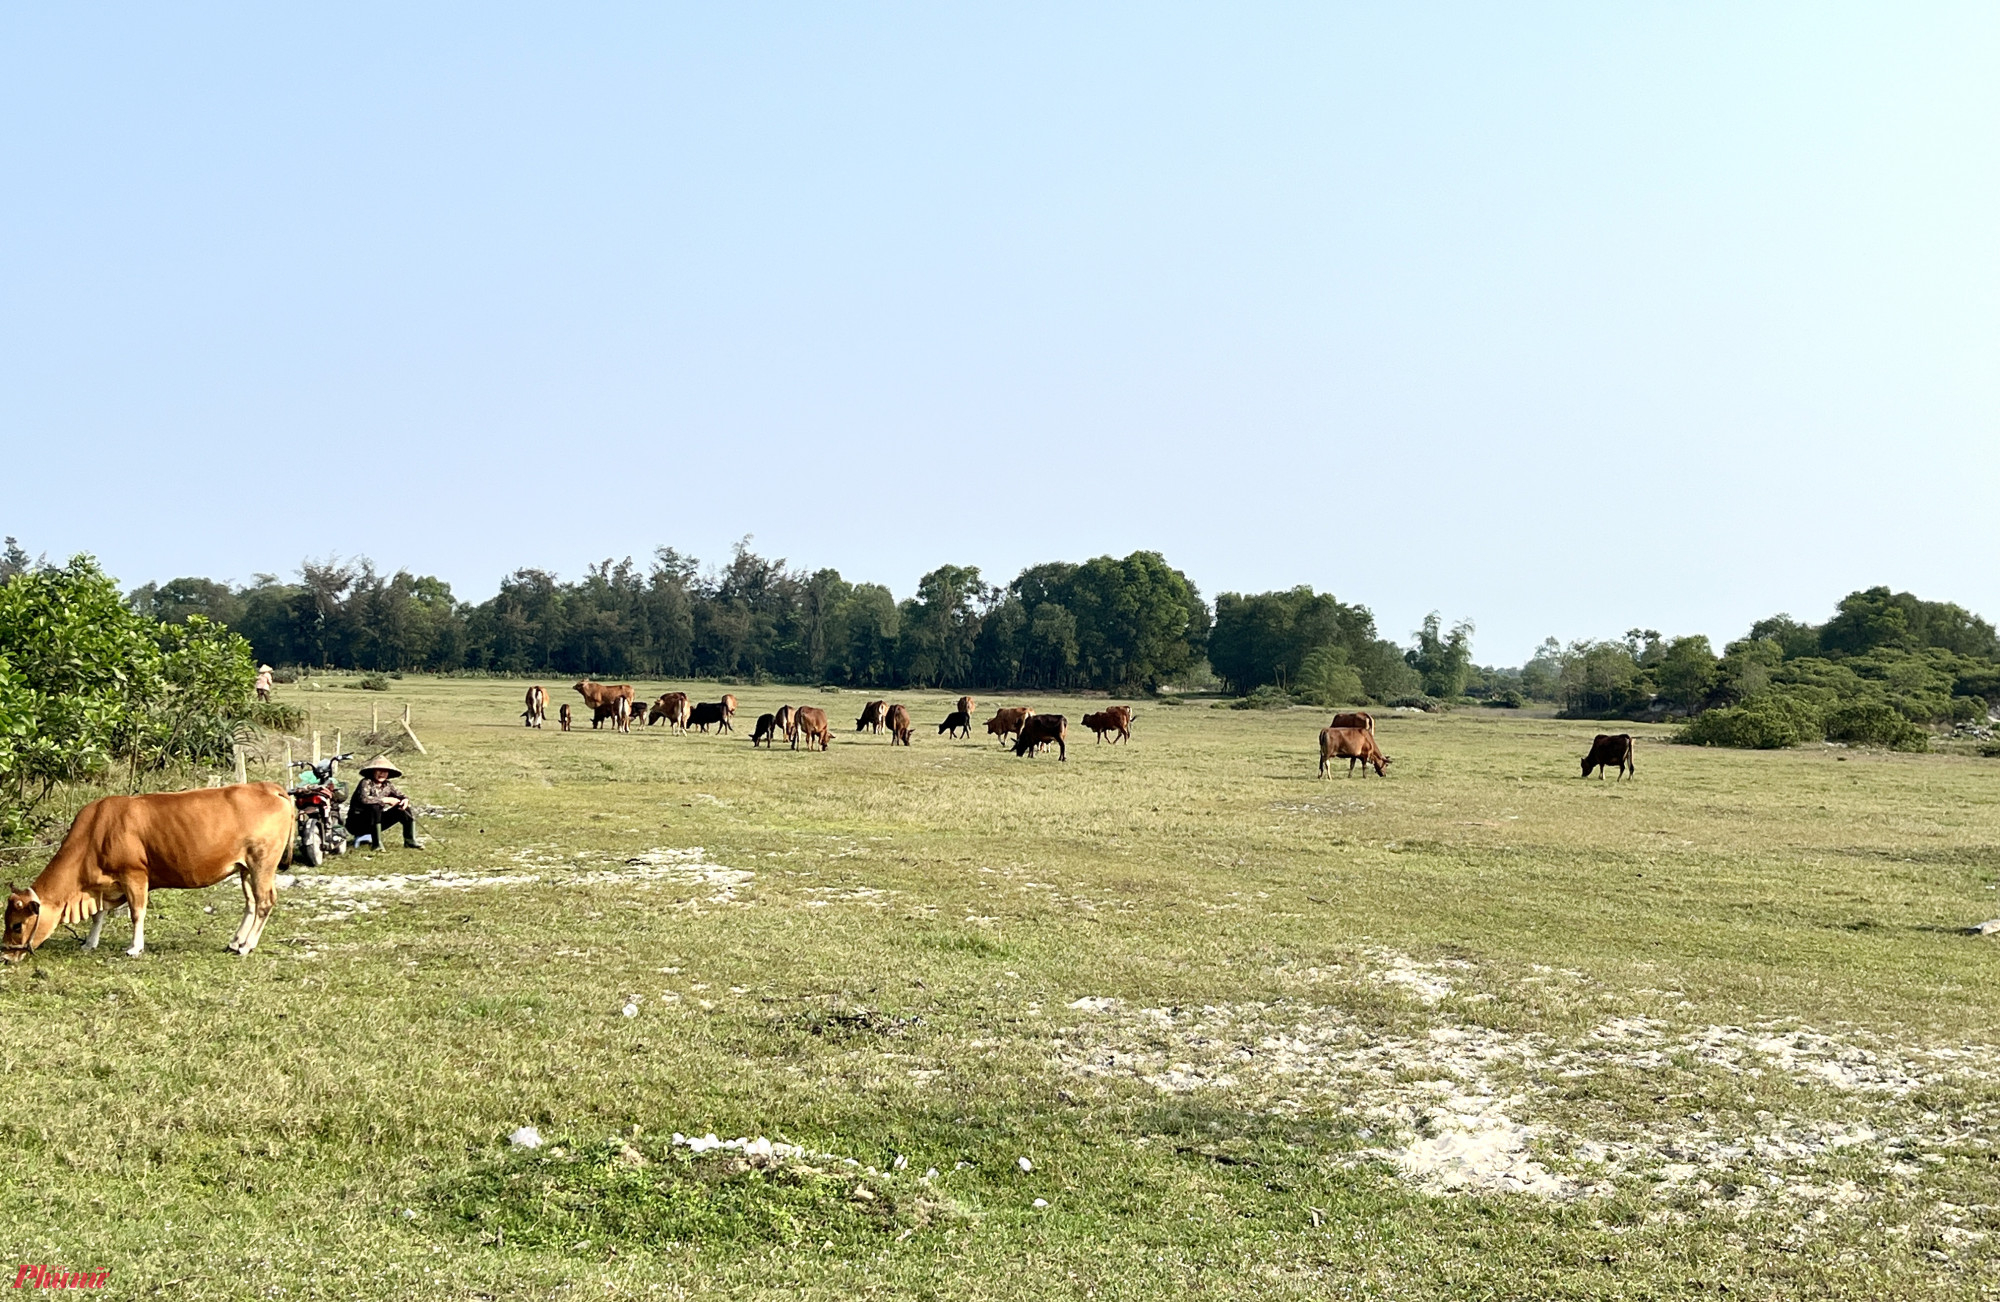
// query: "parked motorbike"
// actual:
[[316, 795]]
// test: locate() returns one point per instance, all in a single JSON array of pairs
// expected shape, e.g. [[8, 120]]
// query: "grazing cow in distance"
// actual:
[[965, 706], [673, 707], [708, 712], [621, 714], [1356, 746], [899, 725], [1041, 729], [121, 847], [784, 720], [1611, 750], [1005, 723], [767, 730], [1354, 719], [1116, 720], [565, 718], [603, 698], [956, 723], [873, 715], [810, 722], [538, 708]]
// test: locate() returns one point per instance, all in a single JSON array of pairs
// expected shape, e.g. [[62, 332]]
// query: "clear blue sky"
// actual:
[[1564, 319]]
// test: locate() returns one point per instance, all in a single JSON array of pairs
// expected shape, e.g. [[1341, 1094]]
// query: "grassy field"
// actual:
[[1480, 1029]]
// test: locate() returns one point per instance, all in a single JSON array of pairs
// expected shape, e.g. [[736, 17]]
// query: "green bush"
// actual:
[[86, 684], [1326, 679], [1760, 725], [276, 715], [1265, 698], [1874, 723], [373, 683]]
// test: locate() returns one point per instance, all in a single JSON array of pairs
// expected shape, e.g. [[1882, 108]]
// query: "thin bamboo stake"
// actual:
[[413, 738]]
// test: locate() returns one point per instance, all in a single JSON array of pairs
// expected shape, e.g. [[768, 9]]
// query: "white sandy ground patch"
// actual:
[[337, 897], [1471, 1109]]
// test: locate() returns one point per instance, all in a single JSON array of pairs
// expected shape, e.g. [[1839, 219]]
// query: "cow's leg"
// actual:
[[240, 942], [96, 926], [260, 886], [135, 895]]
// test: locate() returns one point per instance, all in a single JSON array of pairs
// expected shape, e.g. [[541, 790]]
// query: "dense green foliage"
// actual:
[[1318, 649], [86, 683], [1883, 669], [1108, 623]]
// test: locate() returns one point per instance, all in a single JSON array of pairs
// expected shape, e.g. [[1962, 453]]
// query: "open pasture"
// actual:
[[1478, 1029]]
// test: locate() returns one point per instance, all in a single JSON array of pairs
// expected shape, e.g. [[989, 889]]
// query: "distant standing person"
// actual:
[[263, 682], [379, 804]]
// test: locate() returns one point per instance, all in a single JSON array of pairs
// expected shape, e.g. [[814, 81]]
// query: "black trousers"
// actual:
[[373, 821]]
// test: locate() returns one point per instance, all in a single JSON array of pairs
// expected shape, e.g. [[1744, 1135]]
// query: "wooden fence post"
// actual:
[[315, 746], [237, 755]]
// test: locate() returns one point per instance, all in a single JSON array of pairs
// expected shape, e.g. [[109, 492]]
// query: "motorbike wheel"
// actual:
[[309, 847]]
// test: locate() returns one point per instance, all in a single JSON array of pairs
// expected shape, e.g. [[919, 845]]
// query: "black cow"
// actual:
[[1041, 729], [1611, 750], [708, 712], [955, 723]]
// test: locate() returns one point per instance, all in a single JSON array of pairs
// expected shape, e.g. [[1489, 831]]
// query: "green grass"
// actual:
[[1689, 965]]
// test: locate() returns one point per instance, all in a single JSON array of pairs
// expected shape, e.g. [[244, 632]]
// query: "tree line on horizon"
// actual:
[[1882, 669]]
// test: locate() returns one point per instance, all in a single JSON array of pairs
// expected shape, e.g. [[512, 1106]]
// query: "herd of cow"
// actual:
[[618, 705], [121, 847]]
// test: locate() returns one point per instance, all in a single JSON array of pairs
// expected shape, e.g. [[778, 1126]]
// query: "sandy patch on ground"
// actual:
[[1470, 1109], [335, 898]]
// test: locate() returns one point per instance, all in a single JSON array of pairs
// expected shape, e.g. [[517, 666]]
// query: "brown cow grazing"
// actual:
[[674, 708], [957, 723], [1354, 719], [621, 714], [120, 847], [899, 725], [965, 706], [538, 708], [873, 715], [1116, 720], [810, 722], [1356, 746], [603, 698], [707, 712], [1611, 750], [784, 720], [767, 730], [1007, 722], [565, 718], [1041, 729], [729, 707]]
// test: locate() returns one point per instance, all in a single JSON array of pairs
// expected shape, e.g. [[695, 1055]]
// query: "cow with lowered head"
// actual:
[[1611, 750], [1041, 729], [121, 847], [1356, 746]]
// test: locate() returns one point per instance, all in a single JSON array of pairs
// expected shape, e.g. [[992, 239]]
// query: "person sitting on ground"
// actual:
[[378, 805]]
